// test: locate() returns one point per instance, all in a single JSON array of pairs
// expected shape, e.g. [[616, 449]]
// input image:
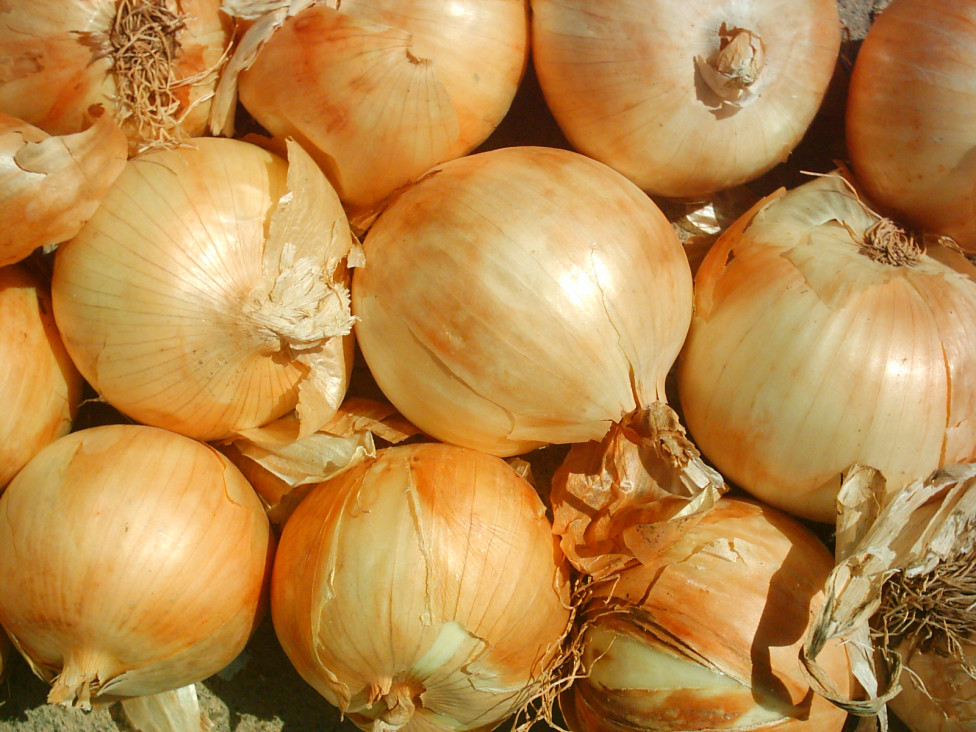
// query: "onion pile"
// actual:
[[510, 352]]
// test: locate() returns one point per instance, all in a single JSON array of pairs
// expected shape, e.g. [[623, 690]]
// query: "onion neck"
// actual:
[[888, 243], [731, 72], [78, 681], [401, 702]]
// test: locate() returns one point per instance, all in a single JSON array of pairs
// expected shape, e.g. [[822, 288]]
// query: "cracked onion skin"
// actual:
[[421, 590], [706, 634], [520, 297]]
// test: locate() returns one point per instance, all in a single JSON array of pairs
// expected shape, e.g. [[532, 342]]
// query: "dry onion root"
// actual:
[[40, 387], [135, 563], [422, 590], [825, 336], [152, 64], [208, 294], [50, 185]]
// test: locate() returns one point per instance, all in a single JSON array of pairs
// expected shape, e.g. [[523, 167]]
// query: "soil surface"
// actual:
[[261, 692]]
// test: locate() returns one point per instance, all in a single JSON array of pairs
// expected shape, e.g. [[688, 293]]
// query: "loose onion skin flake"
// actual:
[[40, 388], [135, 562], [685, 97], [422, 590], [706, 635], [519, 297], [911, 116], [823, 337]]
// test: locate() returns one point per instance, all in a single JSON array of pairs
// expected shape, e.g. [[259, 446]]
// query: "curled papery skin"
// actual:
[[520, 297], [911, 115], [152, 65], [706, 635], [422, 590], [134, 562], [50, 186], [40, 388], [685, 98], [381, 90], [208, 292], [823, 338]]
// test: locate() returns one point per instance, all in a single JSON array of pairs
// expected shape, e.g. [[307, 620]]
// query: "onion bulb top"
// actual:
[[381, 90], [40, 388], [208, 293], [911, 116], [825, 336], [152, 65], [422, 590], [134, 562], [520, 297], [685, 97]]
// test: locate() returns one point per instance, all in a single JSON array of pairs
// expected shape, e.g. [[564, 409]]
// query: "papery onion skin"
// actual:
[[154, 295], [49, 187], [622, 80], [428, 574], [911, 116], [806, 357], [381, 90], [135, 561], [58, 62], [937, 693], [40, 388], [519, 297], [729, 602]]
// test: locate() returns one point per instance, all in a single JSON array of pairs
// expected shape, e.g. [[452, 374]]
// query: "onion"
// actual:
[[911, 116], [823, 337], [152, 64], [520, 297], [50, 186], [134, 561], [40, 388], [938, 690], [685, 97], [705, 635], [208, 292], [422, 590], [381, 90]]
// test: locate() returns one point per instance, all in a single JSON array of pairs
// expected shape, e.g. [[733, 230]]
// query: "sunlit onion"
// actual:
[[823, 337], [422, 590], [685, 97], [520, 297]]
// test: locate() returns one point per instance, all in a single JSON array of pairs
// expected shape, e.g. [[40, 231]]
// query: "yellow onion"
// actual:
[[134, 562], [519, 297], [49, 185], [422, 590], [381, 90], [208, 292], [685, 97], [911, 115], [153, 64], [824, 336], [705, 635], [40, 388], [938, 690]]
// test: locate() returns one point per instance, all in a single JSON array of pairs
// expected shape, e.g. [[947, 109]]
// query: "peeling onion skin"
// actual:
[[426, 579], [621, 79], [728, 602], [911, 115], [135, 561], [40, 387], [520, 297], [946, 704], [54, 67], [381, 90], [805, 356]]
